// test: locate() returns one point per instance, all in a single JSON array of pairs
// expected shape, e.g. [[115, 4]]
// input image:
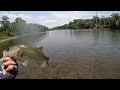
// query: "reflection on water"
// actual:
[[72, 52]]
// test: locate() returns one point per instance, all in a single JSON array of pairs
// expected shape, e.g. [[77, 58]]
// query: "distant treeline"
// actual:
[[18, 27], [111, 22]]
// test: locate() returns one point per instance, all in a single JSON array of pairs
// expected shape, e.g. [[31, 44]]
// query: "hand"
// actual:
[[8, 63]]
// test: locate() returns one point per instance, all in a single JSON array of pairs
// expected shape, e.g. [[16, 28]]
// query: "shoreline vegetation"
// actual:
[[18, 28], [111, 22], [15, 37]]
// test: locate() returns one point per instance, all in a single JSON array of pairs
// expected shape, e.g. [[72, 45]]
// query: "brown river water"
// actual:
[[72, 53]]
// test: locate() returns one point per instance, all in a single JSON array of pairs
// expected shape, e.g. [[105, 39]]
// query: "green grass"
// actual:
[[3, 36]]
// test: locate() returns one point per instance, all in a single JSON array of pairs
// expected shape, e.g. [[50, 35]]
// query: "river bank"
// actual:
[[2, 36], [14, 37]]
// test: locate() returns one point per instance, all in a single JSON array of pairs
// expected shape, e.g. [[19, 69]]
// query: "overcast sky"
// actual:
[[53, 18]]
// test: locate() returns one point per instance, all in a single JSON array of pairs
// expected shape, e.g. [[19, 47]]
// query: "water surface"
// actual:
[[72, 53]]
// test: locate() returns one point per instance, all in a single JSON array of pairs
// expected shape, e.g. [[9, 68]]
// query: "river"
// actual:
[[72, 53]]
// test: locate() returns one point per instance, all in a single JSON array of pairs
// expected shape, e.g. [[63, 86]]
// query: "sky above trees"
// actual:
[[53, 18]]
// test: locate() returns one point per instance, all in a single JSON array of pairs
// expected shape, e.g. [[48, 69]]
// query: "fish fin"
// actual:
[[25, 63], [48, 58], [44, 64], [40, 48], [23, 46]]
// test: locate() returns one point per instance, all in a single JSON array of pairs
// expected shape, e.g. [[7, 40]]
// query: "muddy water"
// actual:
[[72, 53]]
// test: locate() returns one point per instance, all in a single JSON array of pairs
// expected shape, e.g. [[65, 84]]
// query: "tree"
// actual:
[[18, 20], [115, 20], [18, 27], [4, 23]]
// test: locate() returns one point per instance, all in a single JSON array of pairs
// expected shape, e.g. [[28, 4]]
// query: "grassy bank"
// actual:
[[3, 36]]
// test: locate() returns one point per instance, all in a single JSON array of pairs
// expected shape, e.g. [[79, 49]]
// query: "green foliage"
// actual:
[[112, 22], [18, 27]]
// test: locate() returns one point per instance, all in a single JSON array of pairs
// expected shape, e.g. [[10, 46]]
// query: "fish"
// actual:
[[25, 53]]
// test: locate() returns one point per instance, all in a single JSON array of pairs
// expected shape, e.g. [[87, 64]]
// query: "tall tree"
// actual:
[[4, 23]]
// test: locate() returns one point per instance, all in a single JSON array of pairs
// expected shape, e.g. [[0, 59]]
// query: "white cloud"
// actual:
[[54, 18]]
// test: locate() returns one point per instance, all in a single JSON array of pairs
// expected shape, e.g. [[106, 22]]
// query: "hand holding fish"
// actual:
[[9, 68], [8, 63], [24, 54]]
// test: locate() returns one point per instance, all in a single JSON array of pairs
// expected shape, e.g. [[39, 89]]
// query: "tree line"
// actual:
[[111, 22], [18, 27]]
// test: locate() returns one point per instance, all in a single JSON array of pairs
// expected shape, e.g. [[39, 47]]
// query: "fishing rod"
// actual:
[[92, 67]]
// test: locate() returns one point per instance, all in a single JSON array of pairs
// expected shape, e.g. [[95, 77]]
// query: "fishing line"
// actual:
[[92, 67]]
